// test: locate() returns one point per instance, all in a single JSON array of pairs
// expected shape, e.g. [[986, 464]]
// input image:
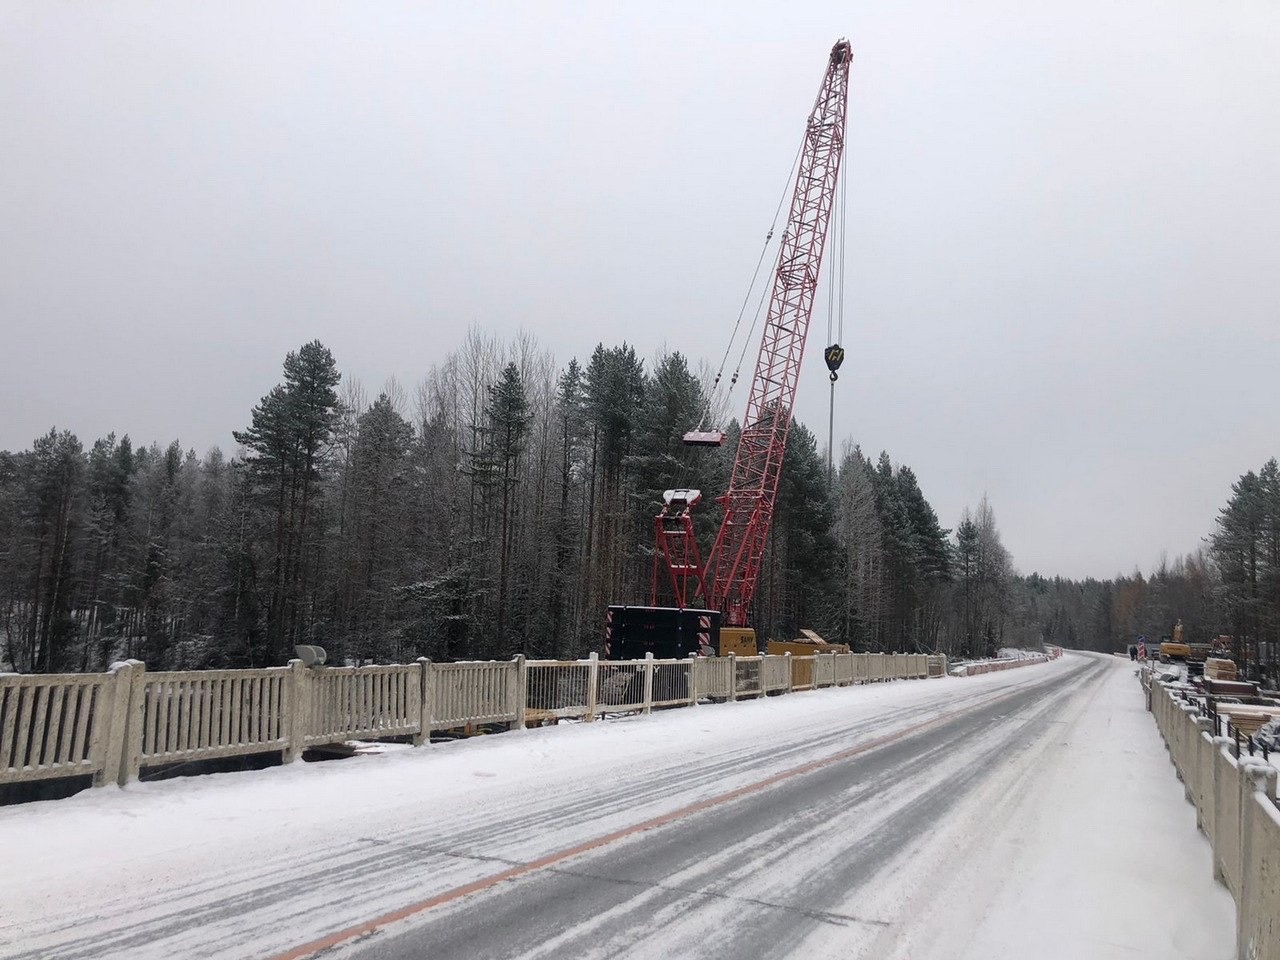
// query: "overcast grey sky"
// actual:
[[1063, 222]]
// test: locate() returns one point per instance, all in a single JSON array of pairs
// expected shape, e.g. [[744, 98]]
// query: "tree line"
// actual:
[[497, 510], [1230, 586]]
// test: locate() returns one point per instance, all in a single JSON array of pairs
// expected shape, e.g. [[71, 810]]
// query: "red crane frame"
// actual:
[[733, 567]]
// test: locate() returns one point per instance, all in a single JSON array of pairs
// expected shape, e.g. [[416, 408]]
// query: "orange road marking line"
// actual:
[[486, 883]]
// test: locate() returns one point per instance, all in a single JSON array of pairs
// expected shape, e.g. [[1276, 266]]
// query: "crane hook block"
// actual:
[[834, 355]]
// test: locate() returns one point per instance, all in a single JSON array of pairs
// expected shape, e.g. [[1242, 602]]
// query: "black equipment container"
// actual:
[[669, 633]]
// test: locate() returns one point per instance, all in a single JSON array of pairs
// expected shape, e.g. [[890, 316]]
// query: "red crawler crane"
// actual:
[[733, 567]]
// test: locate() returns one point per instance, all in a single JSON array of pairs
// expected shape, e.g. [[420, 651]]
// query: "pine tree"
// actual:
[[993, 574], [56, 468], [931, 561], [508, 415], [110, 470], [12, 556], [269, 473], [568, 530], [1239, 548], [967, 566], [380, 525], [311, 378], [798, 576], [614, 388], [860, 536], [900, 551], [287, 445]]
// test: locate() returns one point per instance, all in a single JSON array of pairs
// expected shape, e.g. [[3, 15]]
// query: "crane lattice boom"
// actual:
[[734, 563], [727, 582]]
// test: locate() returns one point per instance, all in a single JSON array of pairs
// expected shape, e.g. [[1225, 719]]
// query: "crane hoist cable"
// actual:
[[844, 233], [746, 299], [834, 353], [686, 465]]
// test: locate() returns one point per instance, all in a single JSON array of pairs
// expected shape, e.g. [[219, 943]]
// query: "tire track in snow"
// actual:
[[666, 891]]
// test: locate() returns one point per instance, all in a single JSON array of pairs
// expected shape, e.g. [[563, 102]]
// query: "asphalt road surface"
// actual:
[[770, 874], [823, 824]]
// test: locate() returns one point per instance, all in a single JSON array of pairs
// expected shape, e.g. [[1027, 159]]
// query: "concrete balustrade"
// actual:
[[62, 724], [1236, 807], [113, 725]]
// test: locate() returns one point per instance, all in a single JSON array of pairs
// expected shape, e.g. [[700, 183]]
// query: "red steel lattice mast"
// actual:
[[734, 563]]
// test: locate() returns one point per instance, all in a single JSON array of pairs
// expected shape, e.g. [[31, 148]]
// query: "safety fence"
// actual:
[[1236, 807], [112, 726]]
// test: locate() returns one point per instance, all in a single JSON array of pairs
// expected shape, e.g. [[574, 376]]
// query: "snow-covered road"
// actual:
[[1025, 813]]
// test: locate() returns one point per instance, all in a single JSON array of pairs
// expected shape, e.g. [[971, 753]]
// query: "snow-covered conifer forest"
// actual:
[[501, 506]]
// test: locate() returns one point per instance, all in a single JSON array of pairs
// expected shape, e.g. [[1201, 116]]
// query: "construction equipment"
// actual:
[[806, 645], [665, 632], [726, 583], [1173, 648]]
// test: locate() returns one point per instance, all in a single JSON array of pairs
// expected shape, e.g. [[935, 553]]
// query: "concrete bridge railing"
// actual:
[[112, 726], [1236, 807]]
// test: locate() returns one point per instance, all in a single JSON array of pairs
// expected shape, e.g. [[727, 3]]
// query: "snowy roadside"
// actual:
[[1086, 847]]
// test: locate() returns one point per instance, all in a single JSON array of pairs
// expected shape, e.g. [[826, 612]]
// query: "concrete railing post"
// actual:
[[520, 681], [733, 677], [132, 728], [298, 719], [424, 707], [1257, 786], [1195, 786], [593, 684], [121, 728], [787, 654], [1221, 836], [648, 683]]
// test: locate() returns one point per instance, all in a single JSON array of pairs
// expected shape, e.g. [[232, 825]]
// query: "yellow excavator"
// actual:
[[1173, 648]]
